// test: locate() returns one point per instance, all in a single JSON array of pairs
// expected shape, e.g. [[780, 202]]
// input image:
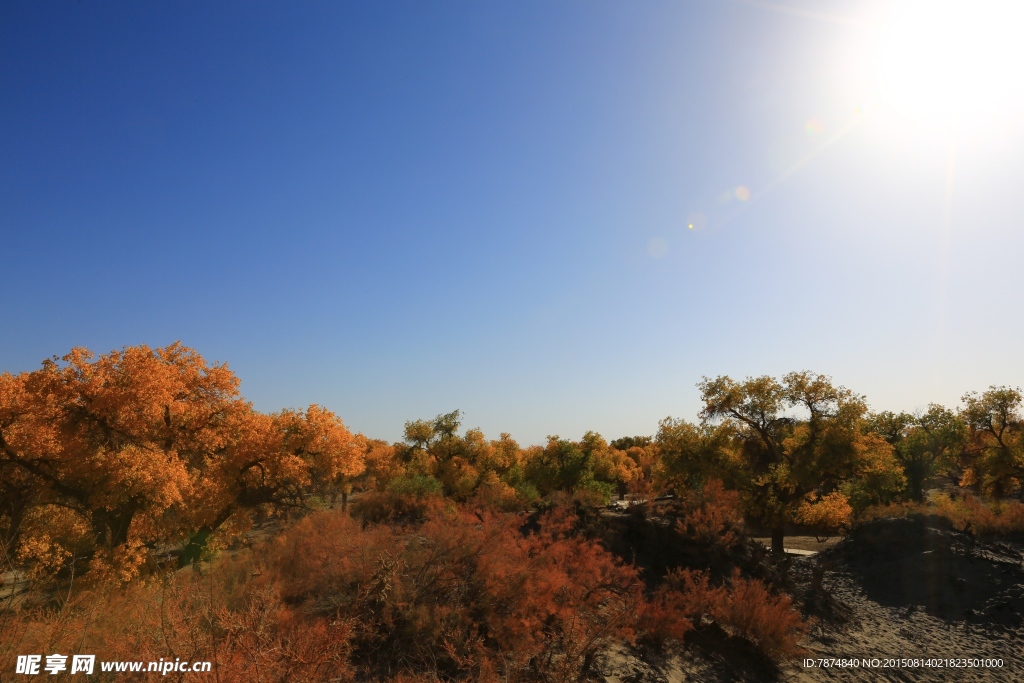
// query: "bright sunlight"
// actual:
[[950, 62]]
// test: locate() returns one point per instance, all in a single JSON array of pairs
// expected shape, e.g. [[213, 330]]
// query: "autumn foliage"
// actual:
[[463, 595], [106, 459], [467, 595], [230, 614], [711, 515], [965, 513], [129, 483], [742, 607]]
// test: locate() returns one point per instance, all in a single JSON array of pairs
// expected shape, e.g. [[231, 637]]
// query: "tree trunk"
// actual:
[[110, 527], [16, 510], [193, 550], [588, 661], [344, 501], [916, 474], [778, 534], [916, 490]]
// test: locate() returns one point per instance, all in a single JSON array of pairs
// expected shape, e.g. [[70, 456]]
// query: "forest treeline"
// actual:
[[106, 459], [448, 554]]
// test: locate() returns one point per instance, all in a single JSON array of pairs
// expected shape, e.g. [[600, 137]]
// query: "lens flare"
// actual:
[[657, 247], [696, 221], [742, 193]]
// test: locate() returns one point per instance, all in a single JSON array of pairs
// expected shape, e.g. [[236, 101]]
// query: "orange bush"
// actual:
[[231, 616], [711, 515], [461, 596], [972, 514], [744, 607], [465, 595], [966, 513], [557, 600], [769, 621]]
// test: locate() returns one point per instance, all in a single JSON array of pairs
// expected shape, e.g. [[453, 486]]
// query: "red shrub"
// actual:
[[744, 607], [229, 615], [711, 515], [769, 621], [464, 595], [972, 514], [967, 513]]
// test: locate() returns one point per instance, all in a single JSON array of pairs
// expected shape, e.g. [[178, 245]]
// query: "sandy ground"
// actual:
[[13, 589], [869, 626], [873, 632], [889, 633], [807, 543]]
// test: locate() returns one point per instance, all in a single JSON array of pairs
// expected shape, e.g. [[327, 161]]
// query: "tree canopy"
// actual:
[[788, 443], [144, 447], [106, 459]]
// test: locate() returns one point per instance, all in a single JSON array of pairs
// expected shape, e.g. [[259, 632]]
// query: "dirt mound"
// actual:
[[921, 561]]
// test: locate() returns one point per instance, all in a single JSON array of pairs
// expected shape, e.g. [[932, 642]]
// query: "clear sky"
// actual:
[[396, 209]]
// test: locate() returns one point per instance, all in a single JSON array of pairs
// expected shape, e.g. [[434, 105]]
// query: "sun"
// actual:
[[945, 62]]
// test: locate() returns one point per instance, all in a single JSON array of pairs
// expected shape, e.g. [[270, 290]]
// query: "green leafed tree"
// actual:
[[690, 454], [933, 447], [994, 455], [793, 441]]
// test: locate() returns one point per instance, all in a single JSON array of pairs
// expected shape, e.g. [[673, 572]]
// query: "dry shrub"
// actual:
[[230, 615], [711, 515], [965, 513], [743, 607], [464, 596], [769, 621], [556, 599], [671, 611], [264, 640], [406, 499], [970, 513], [903, 509]]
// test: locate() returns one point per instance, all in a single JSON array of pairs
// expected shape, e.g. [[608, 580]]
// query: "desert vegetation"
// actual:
[[148, 511]]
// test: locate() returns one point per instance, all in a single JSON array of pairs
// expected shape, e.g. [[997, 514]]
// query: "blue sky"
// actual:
[[398, 209]]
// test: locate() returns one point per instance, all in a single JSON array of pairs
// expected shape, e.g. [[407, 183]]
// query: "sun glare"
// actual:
[[944, 62]]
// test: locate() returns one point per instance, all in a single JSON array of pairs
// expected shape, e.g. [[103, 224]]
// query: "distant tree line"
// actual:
[[106, 461]]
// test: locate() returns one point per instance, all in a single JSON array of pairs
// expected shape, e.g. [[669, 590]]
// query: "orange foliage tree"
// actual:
[[151, 447]]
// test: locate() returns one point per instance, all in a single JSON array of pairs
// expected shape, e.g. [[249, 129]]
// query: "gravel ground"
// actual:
[[877, 632], [898, 600]]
